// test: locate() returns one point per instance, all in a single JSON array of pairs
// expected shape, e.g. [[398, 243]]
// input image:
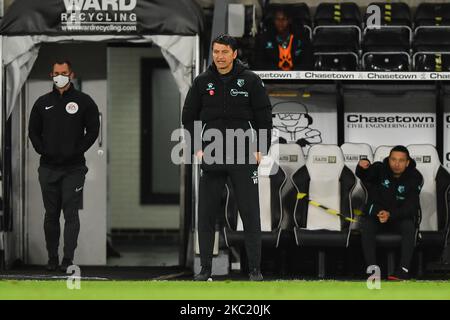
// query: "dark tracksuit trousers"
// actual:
[[62, 189], [405, 227], [212, 184]]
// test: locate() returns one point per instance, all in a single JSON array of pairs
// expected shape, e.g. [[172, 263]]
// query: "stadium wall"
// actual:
[[124, 119]]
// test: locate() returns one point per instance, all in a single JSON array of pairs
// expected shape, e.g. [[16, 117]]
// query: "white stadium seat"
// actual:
[[434, 222], [326, 180], [381, 152]]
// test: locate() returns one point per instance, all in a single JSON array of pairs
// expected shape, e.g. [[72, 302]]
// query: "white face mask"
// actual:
[[61, 81]]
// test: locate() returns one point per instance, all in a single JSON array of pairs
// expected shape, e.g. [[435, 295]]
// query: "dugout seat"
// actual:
[[243, 25], [431, 43], [337, 36], [353, 153], [276, 195], [326, 180], [387, 47], [432, 14], [434, 202], [381, 152]]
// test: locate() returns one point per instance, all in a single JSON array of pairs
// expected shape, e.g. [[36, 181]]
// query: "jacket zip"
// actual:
[[201, 133], [224, 97], [251, 128]]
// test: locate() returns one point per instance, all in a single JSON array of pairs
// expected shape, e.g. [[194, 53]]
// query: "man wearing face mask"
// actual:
[[64, 124]]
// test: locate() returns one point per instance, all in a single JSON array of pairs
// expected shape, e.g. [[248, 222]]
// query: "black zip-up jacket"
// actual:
[[399, 196], [239, 102], [63, 127]]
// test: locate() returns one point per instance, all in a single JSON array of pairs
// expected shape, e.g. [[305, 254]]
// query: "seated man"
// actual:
[[393, 204], [282, 48]]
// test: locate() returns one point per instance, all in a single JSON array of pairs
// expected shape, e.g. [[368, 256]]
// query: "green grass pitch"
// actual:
[[223, 290]]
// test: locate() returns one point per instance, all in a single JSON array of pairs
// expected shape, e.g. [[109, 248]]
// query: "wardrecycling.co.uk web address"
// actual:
[[99, 28]]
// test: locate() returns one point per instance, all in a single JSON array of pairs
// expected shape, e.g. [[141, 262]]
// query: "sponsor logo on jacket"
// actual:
[[236, 92]]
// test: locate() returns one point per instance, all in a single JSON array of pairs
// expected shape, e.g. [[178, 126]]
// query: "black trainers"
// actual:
[[53, 264], [66, 263], [255, 275], [400, 275], [204, 275]]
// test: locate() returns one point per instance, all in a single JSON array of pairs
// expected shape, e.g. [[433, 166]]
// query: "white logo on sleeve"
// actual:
[[49, 107], [78, 189], [72, 107]]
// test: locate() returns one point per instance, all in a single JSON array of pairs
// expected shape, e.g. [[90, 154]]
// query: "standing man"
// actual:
[[229, 98], [64, 124], [393, 204]]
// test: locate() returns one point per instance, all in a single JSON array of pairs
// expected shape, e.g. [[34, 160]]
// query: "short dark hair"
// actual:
[[227, 40], [283, 10], [63, 61], [400, 148]]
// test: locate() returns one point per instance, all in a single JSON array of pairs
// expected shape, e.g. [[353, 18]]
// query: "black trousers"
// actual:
[[406, 228], [62, 189], [212, 184]]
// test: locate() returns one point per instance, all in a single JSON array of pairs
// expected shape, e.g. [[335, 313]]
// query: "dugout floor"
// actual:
[[144, 261], [107, 273]]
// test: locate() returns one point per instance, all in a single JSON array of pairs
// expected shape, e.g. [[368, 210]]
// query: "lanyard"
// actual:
[[285, 56]]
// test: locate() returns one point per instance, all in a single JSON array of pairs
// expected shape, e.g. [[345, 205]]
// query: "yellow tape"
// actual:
[[332, 211], [316, 204]]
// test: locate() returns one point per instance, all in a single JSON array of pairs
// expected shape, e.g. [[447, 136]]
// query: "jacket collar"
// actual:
[[238, 67], [70, 90]]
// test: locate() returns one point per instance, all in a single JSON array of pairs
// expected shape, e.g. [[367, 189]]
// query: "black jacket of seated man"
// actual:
[[400, 197], [269, 57]]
